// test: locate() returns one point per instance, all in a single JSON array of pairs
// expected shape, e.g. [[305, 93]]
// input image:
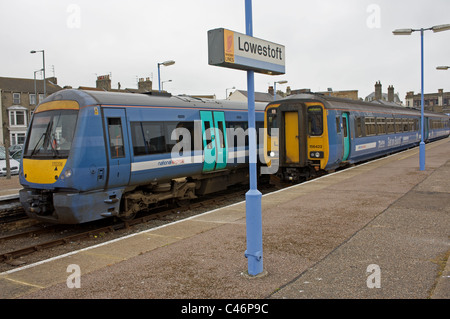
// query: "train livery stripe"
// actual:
[[233, 156]]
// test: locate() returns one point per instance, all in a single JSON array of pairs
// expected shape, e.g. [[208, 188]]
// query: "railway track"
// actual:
[[65, 234], [11, 209]]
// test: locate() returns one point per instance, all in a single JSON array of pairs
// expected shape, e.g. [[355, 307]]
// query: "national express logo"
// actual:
[[229, 45]]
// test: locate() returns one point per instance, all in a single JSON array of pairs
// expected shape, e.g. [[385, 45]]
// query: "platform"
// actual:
[[377, 230]]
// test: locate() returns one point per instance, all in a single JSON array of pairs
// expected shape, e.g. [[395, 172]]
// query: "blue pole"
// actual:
[[422, 121], [254, 252]]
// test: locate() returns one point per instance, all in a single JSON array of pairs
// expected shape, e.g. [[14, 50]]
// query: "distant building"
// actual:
[[103, 83], [380, 97], [18, 98], [349, 94], [436, 102], [241, 95]]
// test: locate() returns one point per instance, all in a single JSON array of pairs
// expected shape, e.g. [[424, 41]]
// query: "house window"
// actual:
[[41, 98], [16, 98], [32, 99], [17, 138], [17, 118]]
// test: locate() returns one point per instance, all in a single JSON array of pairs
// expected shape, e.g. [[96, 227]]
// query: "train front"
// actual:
[[58, 174], [297, 137]]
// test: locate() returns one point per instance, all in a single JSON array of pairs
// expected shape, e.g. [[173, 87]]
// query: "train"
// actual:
[[312, 134], [90, 155]]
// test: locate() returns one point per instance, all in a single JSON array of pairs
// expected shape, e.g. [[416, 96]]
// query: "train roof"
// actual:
[[331, 102], [105, 98]]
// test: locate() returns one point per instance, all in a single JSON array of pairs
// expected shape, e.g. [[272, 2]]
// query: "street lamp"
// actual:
[[442, 67], [275, 88], [35, 90], [165, 63], [43, 67], [437, 28]]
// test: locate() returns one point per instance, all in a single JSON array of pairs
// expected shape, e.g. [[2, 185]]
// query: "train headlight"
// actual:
[[68, 173], [316, 154], [272, 154]]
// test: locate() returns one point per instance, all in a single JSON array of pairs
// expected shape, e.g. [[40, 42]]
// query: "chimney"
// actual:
[[145, 85], [271, 90], [391, 93], [378, 92], [103, 82]]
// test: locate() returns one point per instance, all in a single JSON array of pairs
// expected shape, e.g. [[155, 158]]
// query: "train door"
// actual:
[[117, 148], [346, 136], [292, 137], [215, 145]]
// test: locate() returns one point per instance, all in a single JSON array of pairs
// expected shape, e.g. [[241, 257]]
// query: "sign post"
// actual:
[[244, 52]]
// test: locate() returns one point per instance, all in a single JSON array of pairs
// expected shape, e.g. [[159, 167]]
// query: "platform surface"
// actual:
[[378, 230]]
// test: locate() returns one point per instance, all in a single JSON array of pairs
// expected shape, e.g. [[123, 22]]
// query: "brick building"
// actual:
[[18, 98], [436, 102]]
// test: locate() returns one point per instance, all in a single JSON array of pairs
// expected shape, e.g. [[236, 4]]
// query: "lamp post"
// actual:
[[275, 88], [165, 63], [43, 67], [35, 90], [437, 28]]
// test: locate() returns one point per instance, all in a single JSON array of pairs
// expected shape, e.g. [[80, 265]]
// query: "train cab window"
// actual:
[[315, 120], [116, 138], [271, 120]]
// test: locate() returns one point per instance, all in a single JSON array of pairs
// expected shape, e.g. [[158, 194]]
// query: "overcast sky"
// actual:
[[339, 44]]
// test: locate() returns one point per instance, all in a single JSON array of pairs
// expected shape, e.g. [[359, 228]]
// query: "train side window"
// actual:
[[315, 120], [344, 124], [390, 125], [405, 125], [381, 125], [370, 126], [171, 126], [240, 133], [358, 126], [398, 125], [338, 125], [155, 142], [137, 138], [116, 137]]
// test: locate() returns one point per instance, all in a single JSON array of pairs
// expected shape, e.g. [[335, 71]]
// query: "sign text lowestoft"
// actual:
[[239, 51]]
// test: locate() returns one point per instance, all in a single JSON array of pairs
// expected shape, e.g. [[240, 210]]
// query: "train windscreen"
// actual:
[[51, 134]]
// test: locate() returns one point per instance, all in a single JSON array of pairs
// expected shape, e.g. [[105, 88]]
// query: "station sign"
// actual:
[[235, 50]]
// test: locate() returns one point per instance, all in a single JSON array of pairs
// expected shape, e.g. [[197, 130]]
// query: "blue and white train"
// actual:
[[89, 155], [318, 133]]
